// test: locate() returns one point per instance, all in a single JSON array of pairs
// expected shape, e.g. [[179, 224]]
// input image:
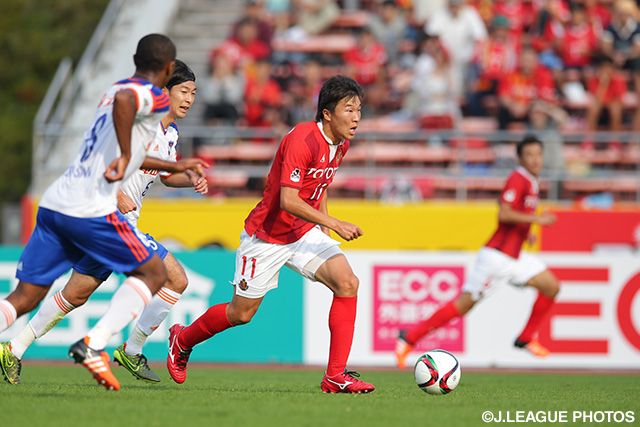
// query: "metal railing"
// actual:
[[458, 167]]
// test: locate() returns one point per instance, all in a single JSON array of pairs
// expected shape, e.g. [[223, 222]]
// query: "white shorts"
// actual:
[[258, 263], [494, 267]]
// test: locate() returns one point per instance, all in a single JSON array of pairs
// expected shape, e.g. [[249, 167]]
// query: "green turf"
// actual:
[[64, 396]]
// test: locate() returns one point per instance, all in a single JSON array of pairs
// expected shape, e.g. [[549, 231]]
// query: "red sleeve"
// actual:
[[514, 190], [295, 162], [504, 87]]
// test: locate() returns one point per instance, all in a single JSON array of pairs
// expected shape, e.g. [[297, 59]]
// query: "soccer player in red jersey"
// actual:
[[290, 226], [501, 261]]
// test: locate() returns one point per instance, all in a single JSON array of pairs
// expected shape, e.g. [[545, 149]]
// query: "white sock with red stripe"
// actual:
[[126, 304], [50, 313], [8, 314], [150, 319]]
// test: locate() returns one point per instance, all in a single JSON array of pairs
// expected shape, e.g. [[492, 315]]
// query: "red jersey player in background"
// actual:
[[290, 226], [501, 261]]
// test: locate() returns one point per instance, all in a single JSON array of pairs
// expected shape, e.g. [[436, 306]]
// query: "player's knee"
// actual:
[[552, 290], [348, 287]]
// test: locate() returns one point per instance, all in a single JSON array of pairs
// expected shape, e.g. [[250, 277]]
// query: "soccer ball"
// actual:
[[437, 372]]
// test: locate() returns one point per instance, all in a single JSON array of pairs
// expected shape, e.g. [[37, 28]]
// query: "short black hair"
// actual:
[[527, 140], [154, 52], [181, 73], [334, 90]]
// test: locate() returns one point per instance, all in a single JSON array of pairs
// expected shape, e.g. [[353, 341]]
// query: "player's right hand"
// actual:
[[125, 203], [348, 231], [546, 218], [115, 171]]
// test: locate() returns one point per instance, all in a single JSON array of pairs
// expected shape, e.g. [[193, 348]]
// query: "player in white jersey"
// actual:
[[78, 216], [88, 274]]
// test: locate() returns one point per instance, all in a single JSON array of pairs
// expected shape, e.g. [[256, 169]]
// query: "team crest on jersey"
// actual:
[[509, 195], [243, 285], [170, 146], [295, 175], [339, 156]]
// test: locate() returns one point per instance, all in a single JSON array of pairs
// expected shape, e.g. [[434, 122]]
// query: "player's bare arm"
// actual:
[[324, 209], [187, 179], [193, 164], [291, 202], [125, 203], [510, 216], [125, 105]]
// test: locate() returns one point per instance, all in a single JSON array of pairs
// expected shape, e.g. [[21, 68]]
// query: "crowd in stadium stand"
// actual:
[[535, 64]]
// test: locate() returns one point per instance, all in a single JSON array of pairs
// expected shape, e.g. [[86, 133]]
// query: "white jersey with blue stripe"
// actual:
[[83, 191], [163, 147]]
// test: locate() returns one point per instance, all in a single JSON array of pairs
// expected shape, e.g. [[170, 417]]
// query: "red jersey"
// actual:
[[496, 58], [366, 61], [517, 13], [521, 193], [578, 44], [259, 97], [303, 161], [527, 88]]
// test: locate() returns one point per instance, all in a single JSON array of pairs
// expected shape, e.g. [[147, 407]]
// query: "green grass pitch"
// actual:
[[67, 396]]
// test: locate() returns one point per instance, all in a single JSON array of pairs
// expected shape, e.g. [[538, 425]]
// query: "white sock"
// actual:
[[126, 304], [22, 341], [150, 319], [50, 313], [8, 314]]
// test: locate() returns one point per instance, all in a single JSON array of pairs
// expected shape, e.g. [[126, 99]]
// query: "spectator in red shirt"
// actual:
[[606, 88], [263, 98], [492, 60], [245, 48], [519, 89], [579, 42], [598, 15], [517, 14], [366, 63]]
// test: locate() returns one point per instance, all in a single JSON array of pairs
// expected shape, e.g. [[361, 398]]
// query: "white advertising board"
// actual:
[[595, 323]]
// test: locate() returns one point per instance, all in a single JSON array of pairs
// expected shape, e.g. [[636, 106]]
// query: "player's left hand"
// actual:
[[115, 171], [348, 231], [200, 184], [193, 164]]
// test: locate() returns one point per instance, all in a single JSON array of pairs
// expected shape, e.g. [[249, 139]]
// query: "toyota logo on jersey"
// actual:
[[295, 175], [319, 173]]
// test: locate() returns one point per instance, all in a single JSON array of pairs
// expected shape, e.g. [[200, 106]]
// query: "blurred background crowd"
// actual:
[[519, 64]]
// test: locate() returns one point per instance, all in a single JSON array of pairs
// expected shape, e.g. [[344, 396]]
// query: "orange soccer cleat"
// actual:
[[403, 348], [96, 362], [534, 347]]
